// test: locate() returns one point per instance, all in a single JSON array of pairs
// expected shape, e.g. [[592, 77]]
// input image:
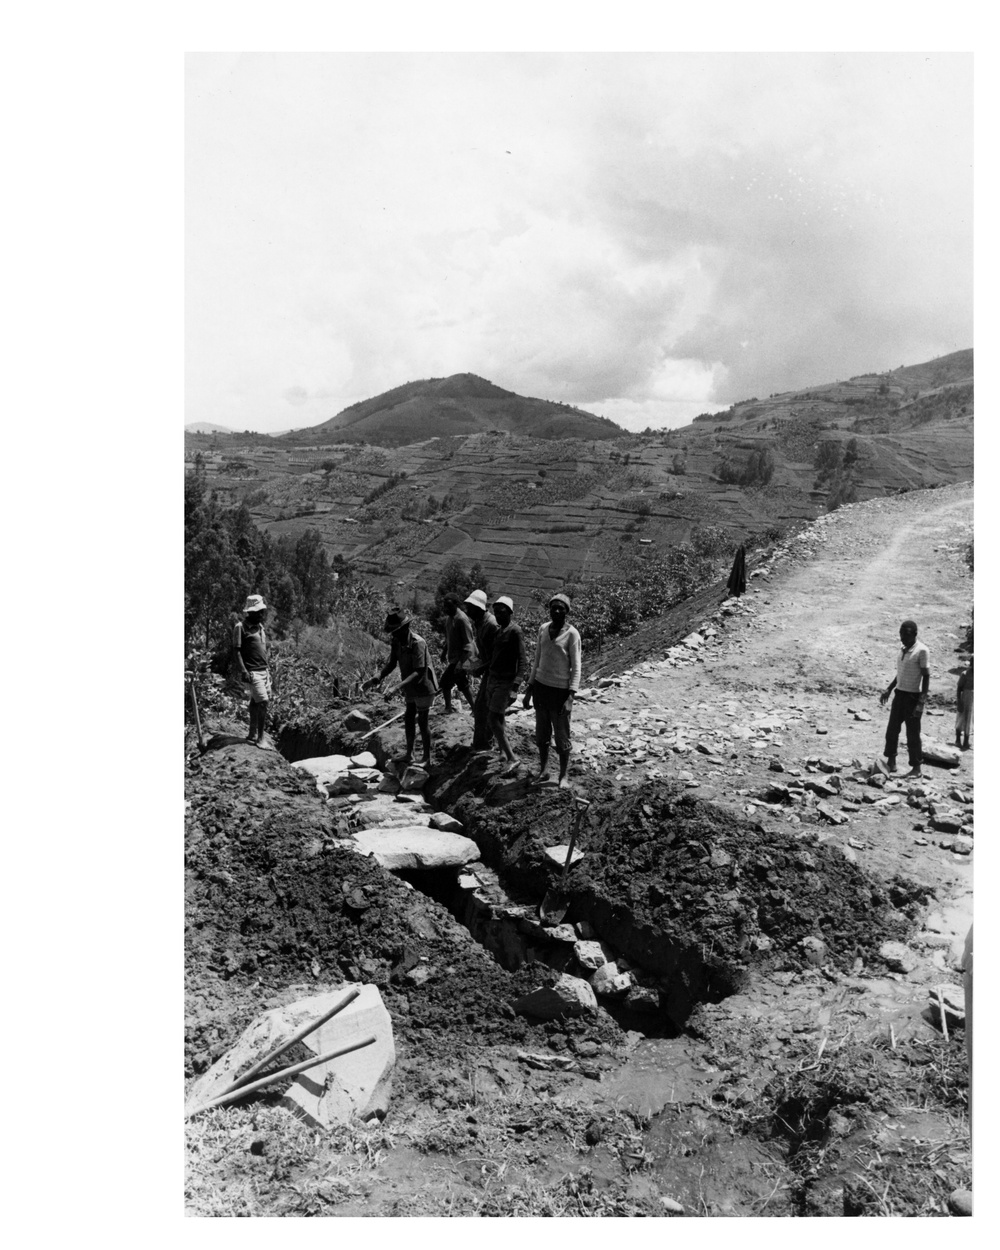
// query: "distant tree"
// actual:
[[679, 464]]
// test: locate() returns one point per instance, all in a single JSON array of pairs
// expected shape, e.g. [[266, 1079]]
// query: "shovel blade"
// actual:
[[553, 907]]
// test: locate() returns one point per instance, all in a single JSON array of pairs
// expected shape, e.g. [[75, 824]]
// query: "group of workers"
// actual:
[[486, 642], [489, 645]]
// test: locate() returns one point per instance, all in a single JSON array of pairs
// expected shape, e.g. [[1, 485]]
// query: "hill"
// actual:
[[461, 404], [206, 427], [539, 513]]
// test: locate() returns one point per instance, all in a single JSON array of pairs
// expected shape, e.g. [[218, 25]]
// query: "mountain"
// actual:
[[541, 512], [206, 427], [461, 404]]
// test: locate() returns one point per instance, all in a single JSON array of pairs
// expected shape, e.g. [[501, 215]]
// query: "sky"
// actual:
[[646, 235]]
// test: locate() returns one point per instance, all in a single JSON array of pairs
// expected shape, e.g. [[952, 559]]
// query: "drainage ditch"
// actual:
[[677, 897], [497, 900]]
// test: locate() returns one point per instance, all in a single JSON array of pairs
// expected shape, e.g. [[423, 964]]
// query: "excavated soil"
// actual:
[[271, 916]]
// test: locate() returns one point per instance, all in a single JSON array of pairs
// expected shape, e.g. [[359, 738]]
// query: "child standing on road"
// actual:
[[963, 719]]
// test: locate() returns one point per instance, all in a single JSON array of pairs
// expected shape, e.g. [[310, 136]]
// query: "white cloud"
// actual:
[[632, 232]]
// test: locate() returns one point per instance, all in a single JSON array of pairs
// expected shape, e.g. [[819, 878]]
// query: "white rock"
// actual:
[[324, 767], [442, 820], [414, 779], [558, 854], [379, 815], [415, 846], [610, 982], [898, 957], [569, 996], [356, 1084], [366, 774], [592, 955], [364, 760], [346, 783]]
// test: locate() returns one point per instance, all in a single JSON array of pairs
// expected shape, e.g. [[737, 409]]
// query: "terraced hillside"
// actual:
[[539, 512]]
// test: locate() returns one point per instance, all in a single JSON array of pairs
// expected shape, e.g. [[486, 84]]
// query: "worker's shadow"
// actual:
[[218, 741]]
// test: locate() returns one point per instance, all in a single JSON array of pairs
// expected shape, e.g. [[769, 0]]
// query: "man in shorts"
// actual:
[[418, 685], [552, 683], [911, 683], [507, 668], [250, 657]]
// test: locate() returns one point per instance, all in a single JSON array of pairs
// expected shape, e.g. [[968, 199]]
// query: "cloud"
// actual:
[[636, 233]]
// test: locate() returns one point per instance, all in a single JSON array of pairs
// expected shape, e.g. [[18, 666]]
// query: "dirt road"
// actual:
[[786, 678]]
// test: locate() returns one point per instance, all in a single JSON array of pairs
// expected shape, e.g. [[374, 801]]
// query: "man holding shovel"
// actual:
[[419, 681]]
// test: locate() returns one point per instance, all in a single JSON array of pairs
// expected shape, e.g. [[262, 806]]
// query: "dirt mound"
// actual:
[[274, 908], [694, 894]]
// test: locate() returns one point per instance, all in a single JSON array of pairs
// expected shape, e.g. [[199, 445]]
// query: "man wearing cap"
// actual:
[[911, 683], [419, 681], [552, 683], [507, 668], [250, 656], [459, 653], [486, 627]]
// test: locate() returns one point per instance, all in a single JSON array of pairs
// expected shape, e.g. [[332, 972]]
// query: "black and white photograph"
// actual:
[[578, 550]]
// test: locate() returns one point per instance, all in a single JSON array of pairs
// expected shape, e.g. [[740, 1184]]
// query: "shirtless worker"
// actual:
[[911, 683], [552, 684]]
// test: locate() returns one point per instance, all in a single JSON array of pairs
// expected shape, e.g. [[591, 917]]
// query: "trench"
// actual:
[[502, 915]]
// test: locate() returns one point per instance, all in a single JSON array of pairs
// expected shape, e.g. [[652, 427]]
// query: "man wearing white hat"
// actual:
[[507, 668], [552, 683], [486, 627], [250, 654]]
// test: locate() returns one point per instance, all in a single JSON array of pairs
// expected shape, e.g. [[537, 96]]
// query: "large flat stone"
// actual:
[[358, 1084], [368, 1078], [324, 767], [378, 814], [415, 846]]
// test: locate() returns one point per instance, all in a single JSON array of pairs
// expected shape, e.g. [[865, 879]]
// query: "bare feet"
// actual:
[[541, 780], [564, 783], [512, 767], [914, 772]]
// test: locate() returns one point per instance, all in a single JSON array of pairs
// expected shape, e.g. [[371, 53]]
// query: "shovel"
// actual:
[[197, 718], [555, 904]]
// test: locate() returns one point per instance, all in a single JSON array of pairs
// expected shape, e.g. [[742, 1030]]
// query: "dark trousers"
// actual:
[[904, 712], [482, 735], [454, 676]]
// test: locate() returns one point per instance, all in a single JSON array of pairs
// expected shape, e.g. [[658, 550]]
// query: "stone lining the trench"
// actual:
[[690, 895]]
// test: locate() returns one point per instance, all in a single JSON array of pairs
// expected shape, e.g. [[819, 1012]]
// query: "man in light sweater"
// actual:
[[911, 683], [552, 683]]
